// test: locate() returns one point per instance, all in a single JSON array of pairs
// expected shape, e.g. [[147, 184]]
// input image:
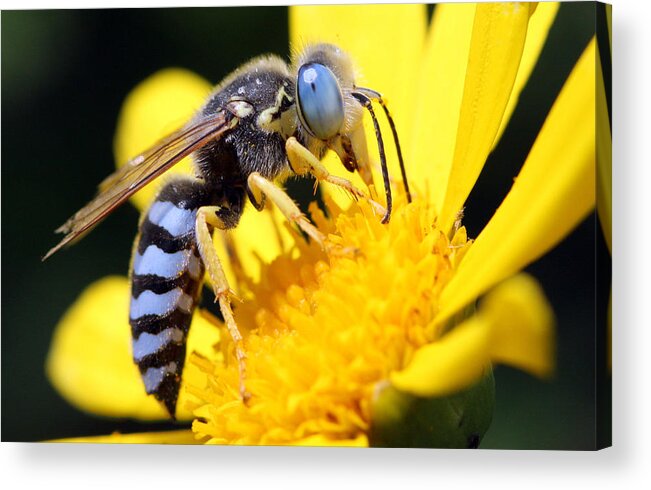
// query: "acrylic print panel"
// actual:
[[440, 291]]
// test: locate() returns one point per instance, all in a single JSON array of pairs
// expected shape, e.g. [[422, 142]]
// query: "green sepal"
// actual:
[[399, 419]]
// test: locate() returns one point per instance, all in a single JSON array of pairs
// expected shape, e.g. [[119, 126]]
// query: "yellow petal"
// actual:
[[553, 193], [441, 87], [604, 159], [539, 25], [498, 37], [449, 364], [386, 43], [90, 363], [385, 40], [168, 437], [438, 99], [523, 326], [156, 107], [514, 325]]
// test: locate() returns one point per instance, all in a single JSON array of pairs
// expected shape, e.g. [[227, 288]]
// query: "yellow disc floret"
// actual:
[[327, 327]]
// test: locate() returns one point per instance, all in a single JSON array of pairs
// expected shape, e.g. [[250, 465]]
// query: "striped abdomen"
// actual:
[[166, 277]]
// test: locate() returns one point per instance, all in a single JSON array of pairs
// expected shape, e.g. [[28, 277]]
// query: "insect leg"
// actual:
[[302, 161], [259, 188], [206, 216]]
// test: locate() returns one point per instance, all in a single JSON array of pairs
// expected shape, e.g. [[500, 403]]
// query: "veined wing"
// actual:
[[139, 171]]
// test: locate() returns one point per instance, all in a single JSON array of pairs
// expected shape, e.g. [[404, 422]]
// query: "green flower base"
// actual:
[[455, 421]]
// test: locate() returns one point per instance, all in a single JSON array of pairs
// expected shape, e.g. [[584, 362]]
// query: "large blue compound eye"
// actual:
[[320, 103]]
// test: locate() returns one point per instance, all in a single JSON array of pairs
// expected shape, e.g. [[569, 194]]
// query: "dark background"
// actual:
[[65, 74]]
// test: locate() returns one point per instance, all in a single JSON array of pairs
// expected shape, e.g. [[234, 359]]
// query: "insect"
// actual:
[[264, 122]]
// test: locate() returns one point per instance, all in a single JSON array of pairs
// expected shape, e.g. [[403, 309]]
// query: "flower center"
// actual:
[[324, 328]]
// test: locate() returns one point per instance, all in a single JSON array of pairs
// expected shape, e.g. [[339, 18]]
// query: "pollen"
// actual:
[[327, 326]]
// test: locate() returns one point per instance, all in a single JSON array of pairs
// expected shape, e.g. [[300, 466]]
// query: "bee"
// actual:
[[263, 123]]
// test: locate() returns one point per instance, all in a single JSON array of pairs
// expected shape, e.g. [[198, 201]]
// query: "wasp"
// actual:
[[265, 122]]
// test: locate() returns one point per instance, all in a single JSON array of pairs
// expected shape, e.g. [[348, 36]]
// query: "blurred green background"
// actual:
[[65, 74]]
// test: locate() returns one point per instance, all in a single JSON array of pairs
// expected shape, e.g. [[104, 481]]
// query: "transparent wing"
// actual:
[[136, 173]]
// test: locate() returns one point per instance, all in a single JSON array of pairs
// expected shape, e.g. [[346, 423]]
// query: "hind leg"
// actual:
[[208, 217]]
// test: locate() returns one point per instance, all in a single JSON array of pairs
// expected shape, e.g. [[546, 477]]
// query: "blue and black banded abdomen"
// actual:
[[166, 278]]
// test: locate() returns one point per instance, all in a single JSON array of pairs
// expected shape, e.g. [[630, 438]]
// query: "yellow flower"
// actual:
[[344, 346]]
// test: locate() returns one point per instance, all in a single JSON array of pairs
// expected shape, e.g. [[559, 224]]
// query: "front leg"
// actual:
[[302, 162]]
